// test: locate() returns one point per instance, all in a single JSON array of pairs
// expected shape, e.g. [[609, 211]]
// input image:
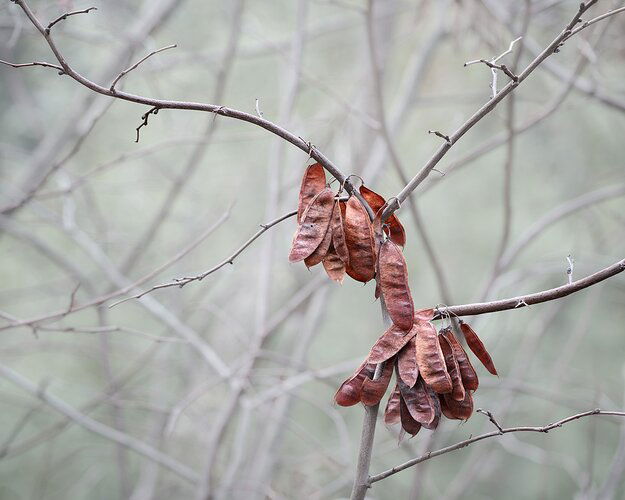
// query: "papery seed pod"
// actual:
[[373, 390], [313, 227], [430, 358], [453, 369], [391, 412], [313, 182], [322, 250], [360, 242], [409, 424], [436, 404], [338, 232], [477, 347], [334, 266], [389, 344], [350, 391], [407, 367], [394, 285], [424, 315], [394, 228], [467, 372], [418, 401], [458, 410]]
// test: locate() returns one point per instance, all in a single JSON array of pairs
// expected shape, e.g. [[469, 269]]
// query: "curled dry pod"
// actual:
[[394, 229], [373, 390], [394, 285], [360, 243], [322, 250], [391, 412], [430, 358], [389, 344], [477, 347], [338, 232], [453, 369], [313, 182], [334, 266], [313, 226], [467, 372], [350, 391], [418, 401], [409, 424], [407, 368], [457, 410]]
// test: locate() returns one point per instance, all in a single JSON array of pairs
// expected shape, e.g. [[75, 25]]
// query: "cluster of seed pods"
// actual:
[[434, 375]]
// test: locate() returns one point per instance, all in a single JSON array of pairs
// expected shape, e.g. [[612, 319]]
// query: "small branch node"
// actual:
[[441, 135], [491, 418]]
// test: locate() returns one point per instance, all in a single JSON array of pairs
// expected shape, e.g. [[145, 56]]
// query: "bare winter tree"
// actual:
[[158, 344]]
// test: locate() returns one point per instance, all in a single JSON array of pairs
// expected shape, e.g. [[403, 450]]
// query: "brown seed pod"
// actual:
[[409, 424], [360, 242], [467, 372], [391, 412], [322, 250], [350, 391], [477, 347], [407, 367], [338, 232], [453, 369], [334, 266], [373, 390], [313, 182], [393, 228], [389, 344], [312, 229], [430, 358], [394, 285], [418, 401], [457, 410], [436, 404], [424, 314]]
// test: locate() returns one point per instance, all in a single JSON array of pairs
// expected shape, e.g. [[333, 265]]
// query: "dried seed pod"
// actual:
[[373, 390], [407, 367], [322, 250], [430, 358], [334, 266], [424, 315], [389, 344], [409, 424], [313, 227], [436, 404], [313, 182], [467, 372], [394, 285], [453, 369], [394, 228], [350, 391], [360, 242], [338, 232], [391, 412], [418, 401], [457, 410], [477, 347]]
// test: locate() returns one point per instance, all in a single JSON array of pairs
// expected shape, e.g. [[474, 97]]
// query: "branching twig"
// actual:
[[144, 120], [68, 14], [134, 66], [36, 63]]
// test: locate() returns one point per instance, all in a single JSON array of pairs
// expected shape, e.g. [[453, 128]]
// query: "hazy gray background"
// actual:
[[111, 211]]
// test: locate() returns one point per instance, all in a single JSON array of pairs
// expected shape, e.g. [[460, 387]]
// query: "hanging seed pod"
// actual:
[[409, 424], [338, 232], [334, 266], [373, 390], [407, 367], [360, 242], [350, 391], [394, 228], [322, 250], [313, 182], [457, 410], [313, 227], [477, 347], [424, 315], [453, 369], [430, 358], [436, 405], [418, 401], [394, 285], [391, 412], [389, 344], [467, 372]]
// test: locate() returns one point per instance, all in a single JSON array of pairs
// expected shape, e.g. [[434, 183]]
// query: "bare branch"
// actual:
[[135, 65], [36, 63], [68, 14]]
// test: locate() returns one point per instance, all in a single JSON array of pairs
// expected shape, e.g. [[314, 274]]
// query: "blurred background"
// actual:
[[224, 387]]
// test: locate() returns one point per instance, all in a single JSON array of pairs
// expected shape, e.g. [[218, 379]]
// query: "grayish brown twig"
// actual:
[[68, 14], [135, 65]]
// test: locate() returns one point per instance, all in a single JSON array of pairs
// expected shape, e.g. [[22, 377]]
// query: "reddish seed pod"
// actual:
[[393, 228], [418, 401], [373, 390], [467, 372], [453, 369], [313, 182], [389, 344], [436, 404], [338, 232], [430, 358], [409, 424], [457, 410], [350, 391], [407, 367], [313, 227], [424, 315], [322, 250], [394, 285], [360, 242], [334, 266], [391, 412], [477, 347]]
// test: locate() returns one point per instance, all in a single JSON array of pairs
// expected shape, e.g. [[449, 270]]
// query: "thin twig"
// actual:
[[68, 14], [134, 66], [36, 63]]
